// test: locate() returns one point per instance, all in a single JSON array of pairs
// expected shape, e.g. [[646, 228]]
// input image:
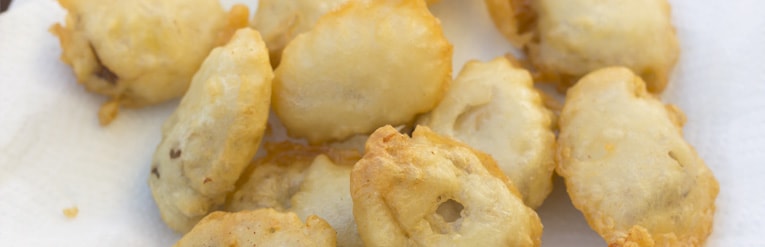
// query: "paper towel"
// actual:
[[54, 155]]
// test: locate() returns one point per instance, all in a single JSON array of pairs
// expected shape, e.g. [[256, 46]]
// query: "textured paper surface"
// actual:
[[54, 155]]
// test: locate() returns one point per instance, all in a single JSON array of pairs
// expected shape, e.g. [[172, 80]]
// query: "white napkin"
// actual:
[[54, 155]]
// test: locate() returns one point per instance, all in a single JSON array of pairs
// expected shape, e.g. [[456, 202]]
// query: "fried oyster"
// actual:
[[429, 190], [367, 64], [494, 107], [141, 52], [214, 133], [567, 39], [628, 168]]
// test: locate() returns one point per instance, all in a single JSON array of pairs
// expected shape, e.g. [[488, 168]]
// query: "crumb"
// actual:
[[71, 212], [108, 112]]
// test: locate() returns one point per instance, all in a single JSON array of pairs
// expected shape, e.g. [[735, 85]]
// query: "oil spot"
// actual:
[[71, 212]]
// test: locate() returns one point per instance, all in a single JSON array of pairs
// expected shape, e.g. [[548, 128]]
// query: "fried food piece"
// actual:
[[493, 107], [514, 19], [326, 192], [264, 227], [271, 181], [305, 180], [367, 64], [627, 166], [141, 52], [567, 39], [211, 137], [429, 190], [280, 21]]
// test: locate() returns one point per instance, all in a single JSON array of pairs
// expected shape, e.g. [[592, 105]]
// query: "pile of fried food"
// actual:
[[470, 158]]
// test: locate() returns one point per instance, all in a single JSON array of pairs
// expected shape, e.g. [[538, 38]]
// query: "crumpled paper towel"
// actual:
[[54, 155]]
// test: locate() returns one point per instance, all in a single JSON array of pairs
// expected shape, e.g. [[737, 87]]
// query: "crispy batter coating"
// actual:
[[627, 166], [271, 181], [280, 21], [429, 190], [367, 64], [326, 191], [306, 180], [566, 39], [141, 52], [494, 107], [513, 18], [264, 227], [356, 142], [215, 131]]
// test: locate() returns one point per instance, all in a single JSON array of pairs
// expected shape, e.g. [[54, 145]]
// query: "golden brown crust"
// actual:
[[627, 166], [138, 55], [264, 227], [353, 71], [429, 190], [214, 133]]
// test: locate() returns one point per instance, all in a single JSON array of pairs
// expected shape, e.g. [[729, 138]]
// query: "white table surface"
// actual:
[[54, 155]]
